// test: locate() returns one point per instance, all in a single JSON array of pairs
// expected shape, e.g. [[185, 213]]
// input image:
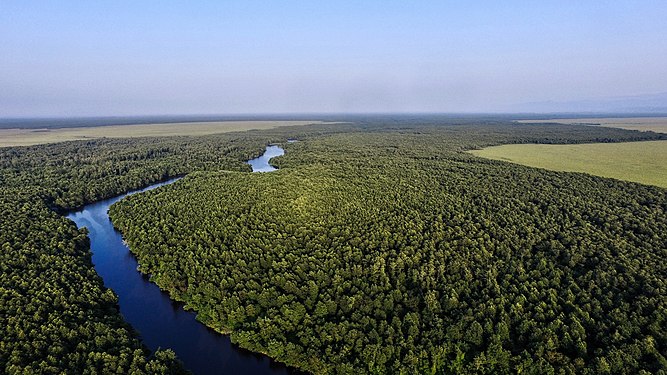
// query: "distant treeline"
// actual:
[[78, 122], [82, 122]]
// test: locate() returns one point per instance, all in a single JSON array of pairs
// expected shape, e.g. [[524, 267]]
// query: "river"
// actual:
[[261, 164], [161, 322]]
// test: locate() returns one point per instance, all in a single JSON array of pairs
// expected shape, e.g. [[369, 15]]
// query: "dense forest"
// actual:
[[385, 248], [55, 314], [378, 247]]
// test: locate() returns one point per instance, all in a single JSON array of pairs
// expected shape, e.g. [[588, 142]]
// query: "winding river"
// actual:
[[161, 322]]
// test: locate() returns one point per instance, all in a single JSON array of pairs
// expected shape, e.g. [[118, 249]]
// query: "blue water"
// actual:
[[161, 322], [261, 164]]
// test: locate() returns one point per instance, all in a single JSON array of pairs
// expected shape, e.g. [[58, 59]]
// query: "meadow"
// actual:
[[28, 137], [654, 124], [642, 162]]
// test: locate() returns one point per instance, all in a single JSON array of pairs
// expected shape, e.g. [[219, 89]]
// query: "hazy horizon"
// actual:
[[73, 59]]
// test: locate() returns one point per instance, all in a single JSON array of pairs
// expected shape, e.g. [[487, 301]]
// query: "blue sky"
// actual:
[[81, 58]]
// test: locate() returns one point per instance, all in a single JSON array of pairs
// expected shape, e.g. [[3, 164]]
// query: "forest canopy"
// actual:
[[421, 259], [386, 249]]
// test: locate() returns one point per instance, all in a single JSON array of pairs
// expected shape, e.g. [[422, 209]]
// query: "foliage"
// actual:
[[383, 248], [55, 314]]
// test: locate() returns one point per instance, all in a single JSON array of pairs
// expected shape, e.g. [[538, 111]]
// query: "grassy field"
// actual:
[[654, 124], [26, 137], [643, 162]]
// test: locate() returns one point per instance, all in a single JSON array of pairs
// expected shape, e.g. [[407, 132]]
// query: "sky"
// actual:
[[118, 58]]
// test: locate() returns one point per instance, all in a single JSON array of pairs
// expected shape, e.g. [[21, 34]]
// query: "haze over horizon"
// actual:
[[122, 58]]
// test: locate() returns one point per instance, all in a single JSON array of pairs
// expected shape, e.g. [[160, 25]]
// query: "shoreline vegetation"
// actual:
[[563, 306]]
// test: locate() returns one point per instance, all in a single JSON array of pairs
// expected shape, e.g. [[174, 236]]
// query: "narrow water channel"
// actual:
[[161, 322], [261, 164]]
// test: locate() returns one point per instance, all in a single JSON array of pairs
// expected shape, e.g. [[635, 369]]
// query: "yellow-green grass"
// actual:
[[654, 124], [643, 162], [26, 137]]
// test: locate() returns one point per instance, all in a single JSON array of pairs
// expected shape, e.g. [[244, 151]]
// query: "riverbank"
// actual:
[[161, 321]]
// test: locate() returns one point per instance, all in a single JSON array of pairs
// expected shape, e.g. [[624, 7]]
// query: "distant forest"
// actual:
[[79, 122], [380, 246]]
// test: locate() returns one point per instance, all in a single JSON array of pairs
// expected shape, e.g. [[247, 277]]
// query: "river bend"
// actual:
[[161, 322]]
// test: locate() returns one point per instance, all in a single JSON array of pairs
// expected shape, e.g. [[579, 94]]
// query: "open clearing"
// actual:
[[26, 137], [643, 162], [654, 124]]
